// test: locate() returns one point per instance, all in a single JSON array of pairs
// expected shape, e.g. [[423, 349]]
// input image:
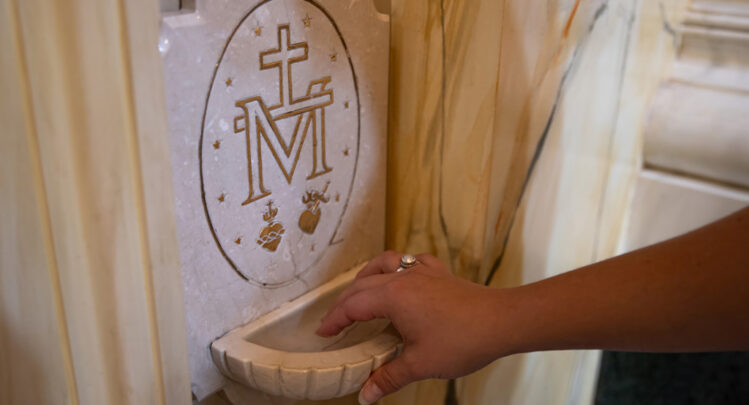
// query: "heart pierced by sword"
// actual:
[[311, 216]]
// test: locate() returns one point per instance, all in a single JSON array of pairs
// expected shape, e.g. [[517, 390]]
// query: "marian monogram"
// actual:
[[258, 120], [279, 144]]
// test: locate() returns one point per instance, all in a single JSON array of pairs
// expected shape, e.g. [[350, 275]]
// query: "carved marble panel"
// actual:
[[699, 117], [278, 116]]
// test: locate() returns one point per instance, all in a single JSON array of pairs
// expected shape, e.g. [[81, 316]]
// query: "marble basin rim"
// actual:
[[280, 354]]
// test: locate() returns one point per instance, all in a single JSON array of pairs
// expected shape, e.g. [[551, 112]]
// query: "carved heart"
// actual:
[[308, 221], [270, 236]]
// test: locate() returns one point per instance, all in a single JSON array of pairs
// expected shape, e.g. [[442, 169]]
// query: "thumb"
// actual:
[[385, 380]]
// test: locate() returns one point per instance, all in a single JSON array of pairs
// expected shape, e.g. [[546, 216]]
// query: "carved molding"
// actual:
[[699, 119]]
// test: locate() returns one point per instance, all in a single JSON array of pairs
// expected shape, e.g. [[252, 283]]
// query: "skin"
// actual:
[[690, 293]]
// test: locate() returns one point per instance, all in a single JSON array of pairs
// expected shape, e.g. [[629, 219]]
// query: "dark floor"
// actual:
[[673, 379]]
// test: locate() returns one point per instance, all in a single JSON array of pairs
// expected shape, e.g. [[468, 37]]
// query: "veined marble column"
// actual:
[[515, 142]]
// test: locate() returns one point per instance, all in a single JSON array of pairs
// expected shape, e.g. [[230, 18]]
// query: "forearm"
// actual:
[[687, 294]]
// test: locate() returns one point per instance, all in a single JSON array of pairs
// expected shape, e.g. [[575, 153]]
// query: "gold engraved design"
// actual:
[[258, 122], [311, 216], [284, 116], [270, 236]]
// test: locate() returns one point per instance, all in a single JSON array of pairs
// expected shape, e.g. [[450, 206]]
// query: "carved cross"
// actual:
[[282, 58]]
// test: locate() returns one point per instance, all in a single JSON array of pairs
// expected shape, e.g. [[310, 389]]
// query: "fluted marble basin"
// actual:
[[280, 354]]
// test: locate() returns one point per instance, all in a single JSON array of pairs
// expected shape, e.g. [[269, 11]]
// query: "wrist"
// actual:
[[516, 326]]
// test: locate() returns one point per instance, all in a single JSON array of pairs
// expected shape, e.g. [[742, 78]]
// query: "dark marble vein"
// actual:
[[544, 135]]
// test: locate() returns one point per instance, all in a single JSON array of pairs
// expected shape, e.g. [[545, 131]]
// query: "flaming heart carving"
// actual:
[[270, 236], [311, 216]]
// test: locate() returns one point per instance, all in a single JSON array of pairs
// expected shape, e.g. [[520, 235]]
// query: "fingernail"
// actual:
[[369, 394]]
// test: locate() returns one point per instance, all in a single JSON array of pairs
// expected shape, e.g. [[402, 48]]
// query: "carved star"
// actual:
[[222, 197], [345, 104], [238, 240], [258, 31], [333, 57], [345, 152], [307, 21], [313, 247], [228, 82], [338, 197], [216, 144]]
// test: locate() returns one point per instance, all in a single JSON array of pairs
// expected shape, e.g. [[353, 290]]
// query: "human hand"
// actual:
[[449, 326]]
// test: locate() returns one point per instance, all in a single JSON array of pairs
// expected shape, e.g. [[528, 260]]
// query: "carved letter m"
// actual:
[[310, 116]]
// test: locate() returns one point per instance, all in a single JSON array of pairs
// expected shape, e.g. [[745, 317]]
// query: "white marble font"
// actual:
[[277, 113]]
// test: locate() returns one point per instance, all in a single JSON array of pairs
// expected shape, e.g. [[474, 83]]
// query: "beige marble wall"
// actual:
[[515, 139]]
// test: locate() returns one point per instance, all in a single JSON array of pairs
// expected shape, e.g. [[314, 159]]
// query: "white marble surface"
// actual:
[[666, 205], [278, 116], [700, 131]]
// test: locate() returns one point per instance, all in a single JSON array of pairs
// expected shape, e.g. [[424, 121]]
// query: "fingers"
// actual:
[[362, 306], [387, 262], [359, 285], [387, 379], [432, 263], [428, 260]]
